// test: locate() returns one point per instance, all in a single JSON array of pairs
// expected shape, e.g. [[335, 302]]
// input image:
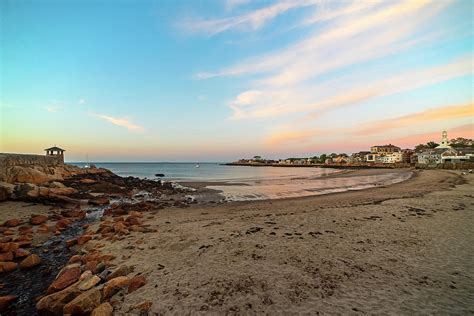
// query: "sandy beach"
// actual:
[[399, 249], [402, 249]]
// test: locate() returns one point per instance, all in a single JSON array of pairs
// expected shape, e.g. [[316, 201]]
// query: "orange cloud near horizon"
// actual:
[[430, 115]]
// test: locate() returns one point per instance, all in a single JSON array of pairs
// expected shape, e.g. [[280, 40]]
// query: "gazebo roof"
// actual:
[[54, 149]]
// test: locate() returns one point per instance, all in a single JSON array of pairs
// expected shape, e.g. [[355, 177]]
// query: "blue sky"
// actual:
[[219, 80]]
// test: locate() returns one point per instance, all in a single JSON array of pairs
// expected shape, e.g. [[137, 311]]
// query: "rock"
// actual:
[[75, 258], [85, 275], [8, 246], [8, 232], [132, 220], [120, 271], [144, 306], [43, 191], [64, 279], [74, 213], [26, 191], [136, 282], [71, 242], [56, 185], [21, 253], [114, 285], [38, 219], [7, 266], [89, 283], [100, 267], [61, 191], [44, 229], [101, 200], [7, 256], [6, 191], [63, 223], [87, 181], [104, 309], [91, 265], [30, 175], [12, 222], [24, 230], [5, 302], [54, 304], [30, 261], [83, 239], [84, 303]]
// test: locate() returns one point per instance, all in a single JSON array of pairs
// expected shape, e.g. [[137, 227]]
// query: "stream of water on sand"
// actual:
[[32, 283]]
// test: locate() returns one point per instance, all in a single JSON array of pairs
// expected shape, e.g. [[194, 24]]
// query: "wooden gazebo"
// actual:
[[55, 151]]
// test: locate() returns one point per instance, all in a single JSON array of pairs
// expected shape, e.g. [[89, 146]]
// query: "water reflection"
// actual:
[[296, 187]]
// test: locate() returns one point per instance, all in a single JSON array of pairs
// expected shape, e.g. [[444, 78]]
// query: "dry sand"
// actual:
[[403, 249]]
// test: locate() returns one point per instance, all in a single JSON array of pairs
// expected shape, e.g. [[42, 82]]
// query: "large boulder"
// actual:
[[7, 266], [89, 282], [38, 219], [54, 304], [114, 285], [104, 309], [61, 191], [31, 261], [6, 191], [26, 191], [85, 303], [64, 279], [19, 174], [136, 282]]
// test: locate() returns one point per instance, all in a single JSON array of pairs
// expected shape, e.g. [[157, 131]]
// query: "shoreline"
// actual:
[[207, 194]]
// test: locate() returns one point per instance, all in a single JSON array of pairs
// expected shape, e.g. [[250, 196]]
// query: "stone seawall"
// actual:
[[13, 164], [10, 160]]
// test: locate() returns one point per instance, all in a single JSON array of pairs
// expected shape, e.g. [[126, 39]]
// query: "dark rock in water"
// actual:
[[159, 175]]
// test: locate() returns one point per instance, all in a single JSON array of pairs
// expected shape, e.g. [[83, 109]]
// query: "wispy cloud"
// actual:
[[54, 106], [308, 99], [81, 101], [231, 4], [352, 39], [123, 122], [251, 20]]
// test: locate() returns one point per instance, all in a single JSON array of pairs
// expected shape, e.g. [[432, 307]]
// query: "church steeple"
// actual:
[[444, 140]]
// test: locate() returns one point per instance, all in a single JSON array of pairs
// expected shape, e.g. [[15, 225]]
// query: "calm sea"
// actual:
[[208, 171], [257, 182]]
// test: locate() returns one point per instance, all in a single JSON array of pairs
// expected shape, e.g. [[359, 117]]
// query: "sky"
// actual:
[[221, 80]]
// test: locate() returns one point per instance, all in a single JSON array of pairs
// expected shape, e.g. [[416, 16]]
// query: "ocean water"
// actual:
[[255, 183], [207, 171]]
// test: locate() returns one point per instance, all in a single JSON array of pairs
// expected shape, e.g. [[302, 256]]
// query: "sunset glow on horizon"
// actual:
[[222, 80]]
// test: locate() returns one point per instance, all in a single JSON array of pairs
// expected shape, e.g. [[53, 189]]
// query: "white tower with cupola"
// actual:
[[444, 141]]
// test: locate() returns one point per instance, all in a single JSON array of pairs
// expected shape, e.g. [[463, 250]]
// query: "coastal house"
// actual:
[[394, 157], [462, 155], [384, 149], [435, 156], [358, 157], [407, 155], [342, 158]]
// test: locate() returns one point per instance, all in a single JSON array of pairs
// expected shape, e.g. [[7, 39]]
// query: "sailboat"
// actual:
[[87, 165]]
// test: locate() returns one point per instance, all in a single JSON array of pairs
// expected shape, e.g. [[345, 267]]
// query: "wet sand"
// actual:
[[401, 249]]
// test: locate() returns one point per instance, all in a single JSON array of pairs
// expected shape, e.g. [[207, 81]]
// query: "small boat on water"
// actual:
[[197, 166]]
